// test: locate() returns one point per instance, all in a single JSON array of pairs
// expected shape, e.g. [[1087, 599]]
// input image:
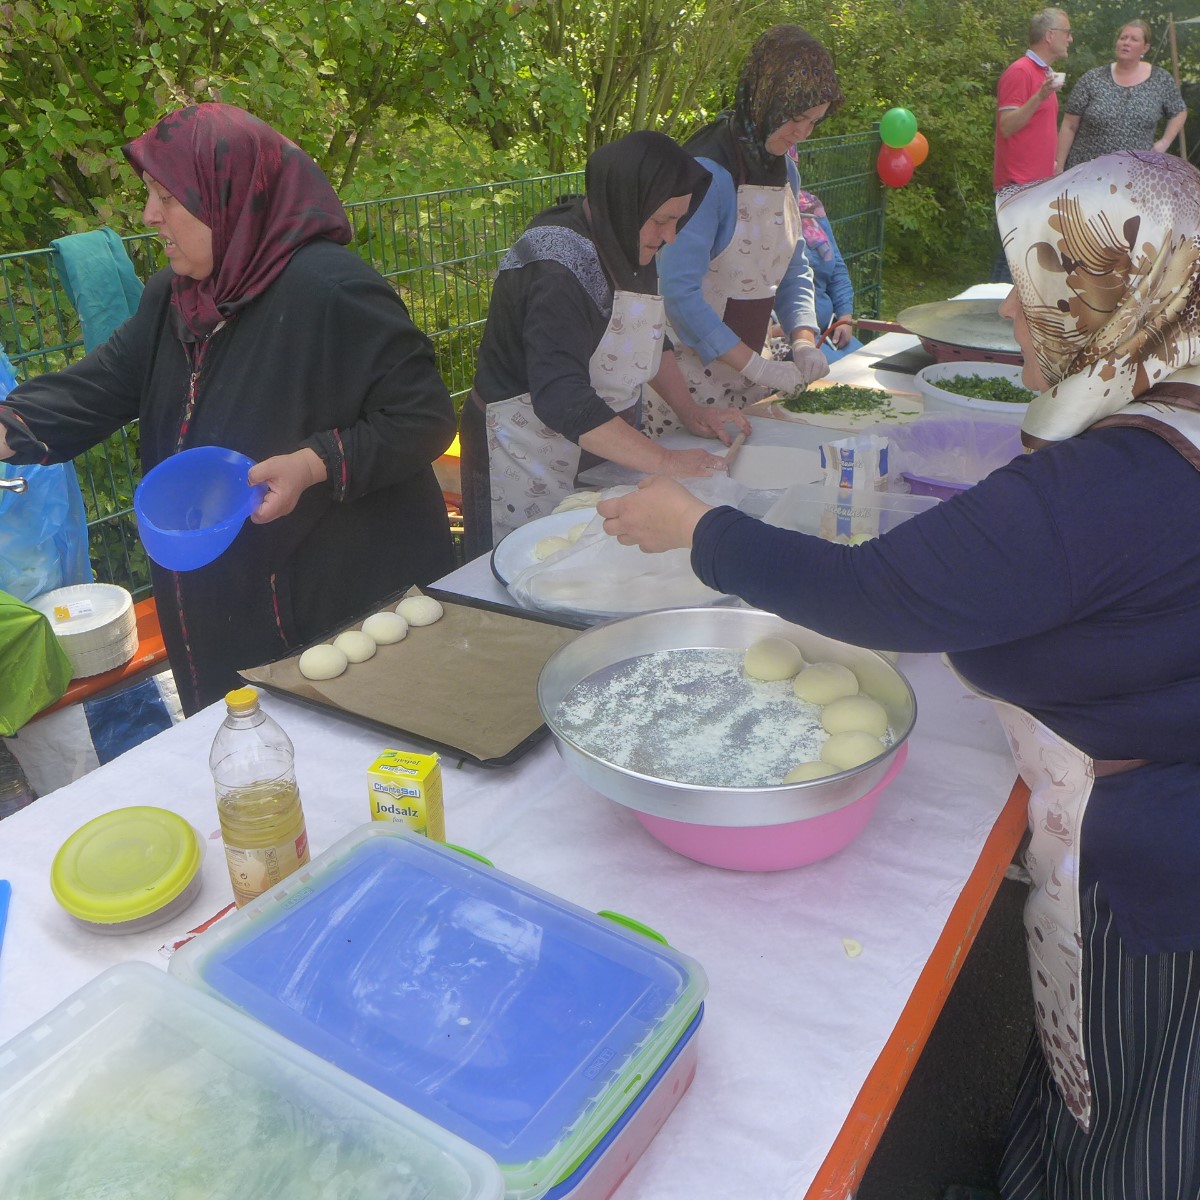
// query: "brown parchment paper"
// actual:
[[467, 683]]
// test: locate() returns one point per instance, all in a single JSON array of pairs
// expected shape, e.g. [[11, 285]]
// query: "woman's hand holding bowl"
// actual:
[[286, 477]]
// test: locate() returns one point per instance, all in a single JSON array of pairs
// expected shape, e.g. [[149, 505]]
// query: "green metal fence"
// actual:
[[440, 250]]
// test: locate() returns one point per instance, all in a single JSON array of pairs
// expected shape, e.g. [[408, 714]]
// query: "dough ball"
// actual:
[[802, 772], [772, 658], [322, 662], [855, 713], [851, 749], [576, 532], [386, 627], [578, 500], [355, 645], [419, 610], [824, 682], [549, 545]]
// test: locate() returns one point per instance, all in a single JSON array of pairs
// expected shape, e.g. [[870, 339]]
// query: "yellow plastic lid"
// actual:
[[241, 698], [125, 864]]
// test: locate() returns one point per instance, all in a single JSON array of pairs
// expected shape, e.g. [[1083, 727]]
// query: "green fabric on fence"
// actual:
[[99, 280], [33, 665]]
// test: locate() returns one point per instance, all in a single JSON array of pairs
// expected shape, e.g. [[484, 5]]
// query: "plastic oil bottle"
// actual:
[[262, 823]]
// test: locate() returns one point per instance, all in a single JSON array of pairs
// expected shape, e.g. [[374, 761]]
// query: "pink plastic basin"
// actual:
[[772, 847]]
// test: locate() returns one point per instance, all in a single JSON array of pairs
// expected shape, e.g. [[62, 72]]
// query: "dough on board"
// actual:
[[851, 749], [356, 645], [855, 713], [322, 662], [549, 545], [771, 659], [576, 532], [802, 772], [824, 682], [386, 627], [419, 610]]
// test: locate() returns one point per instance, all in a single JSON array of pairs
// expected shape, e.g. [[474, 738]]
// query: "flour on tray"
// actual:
[[692, 716]]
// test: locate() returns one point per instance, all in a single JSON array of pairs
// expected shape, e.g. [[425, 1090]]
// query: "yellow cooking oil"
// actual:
[[265, 836], [258, 800]]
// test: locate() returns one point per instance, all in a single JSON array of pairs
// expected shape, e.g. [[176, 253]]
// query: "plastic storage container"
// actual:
[[258, 802], [842, 514], [514, 1019], [128, 870], [141, 1088]]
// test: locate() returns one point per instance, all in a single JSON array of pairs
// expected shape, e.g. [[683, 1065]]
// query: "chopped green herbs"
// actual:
[[986, 387], [838, 397]]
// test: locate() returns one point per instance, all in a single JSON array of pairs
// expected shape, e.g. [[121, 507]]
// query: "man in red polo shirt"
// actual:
[[1027, 107]]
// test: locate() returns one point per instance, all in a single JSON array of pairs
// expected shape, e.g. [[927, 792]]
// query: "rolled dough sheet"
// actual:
[[774, 468]]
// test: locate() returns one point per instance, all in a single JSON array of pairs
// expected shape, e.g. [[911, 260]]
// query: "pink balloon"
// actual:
[[895, 166]]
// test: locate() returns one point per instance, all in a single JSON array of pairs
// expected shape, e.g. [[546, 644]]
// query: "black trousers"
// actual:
[[1141, 1028]]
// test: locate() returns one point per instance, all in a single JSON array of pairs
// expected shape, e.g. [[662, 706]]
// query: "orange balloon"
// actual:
[[918, 149]]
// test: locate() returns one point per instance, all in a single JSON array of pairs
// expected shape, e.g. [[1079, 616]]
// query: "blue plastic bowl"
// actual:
[[190, 507]]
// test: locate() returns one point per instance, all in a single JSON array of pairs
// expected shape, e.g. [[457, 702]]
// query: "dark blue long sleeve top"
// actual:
[[1068, 583]]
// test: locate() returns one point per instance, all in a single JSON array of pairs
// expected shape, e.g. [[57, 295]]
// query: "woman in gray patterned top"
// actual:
[[575, 328], [1119, 107]]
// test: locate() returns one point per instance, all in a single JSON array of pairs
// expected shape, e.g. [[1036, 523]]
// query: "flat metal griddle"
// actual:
[[956, 330]]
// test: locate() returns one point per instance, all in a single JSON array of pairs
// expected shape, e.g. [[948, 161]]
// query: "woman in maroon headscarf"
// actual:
[[267, 336]]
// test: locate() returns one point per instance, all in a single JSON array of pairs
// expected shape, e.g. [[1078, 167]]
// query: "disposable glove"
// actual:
[[783, 377], [810, 362]]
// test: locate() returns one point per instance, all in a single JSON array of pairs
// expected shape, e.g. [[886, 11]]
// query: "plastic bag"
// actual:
[[598, 577], [43, 531], [958, 450], [33, 664]]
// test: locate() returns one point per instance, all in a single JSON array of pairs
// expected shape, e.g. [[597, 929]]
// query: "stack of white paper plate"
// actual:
[[94, 622]]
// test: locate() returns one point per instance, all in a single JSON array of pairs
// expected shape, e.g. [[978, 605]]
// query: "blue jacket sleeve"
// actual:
[[839, 287], [683, 265]]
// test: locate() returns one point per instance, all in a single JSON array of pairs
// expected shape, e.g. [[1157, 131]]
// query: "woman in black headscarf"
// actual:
[[743, 252], [574, 330]]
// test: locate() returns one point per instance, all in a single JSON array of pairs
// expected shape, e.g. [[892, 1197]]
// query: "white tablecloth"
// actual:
[[793, 1023]]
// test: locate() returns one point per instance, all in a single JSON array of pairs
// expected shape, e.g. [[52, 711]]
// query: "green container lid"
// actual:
[[125, 865]]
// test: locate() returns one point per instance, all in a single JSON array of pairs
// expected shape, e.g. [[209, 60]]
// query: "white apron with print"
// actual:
[[1060, 778], [533, 468], [751, 267]]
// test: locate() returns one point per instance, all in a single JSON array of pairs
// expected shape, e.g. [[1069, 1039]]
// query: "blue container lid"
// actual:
[[505, 1014]]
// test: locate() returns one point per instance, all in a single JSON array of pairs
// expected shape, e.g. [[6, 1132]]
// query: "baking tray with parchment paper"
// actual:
[[466, 685]]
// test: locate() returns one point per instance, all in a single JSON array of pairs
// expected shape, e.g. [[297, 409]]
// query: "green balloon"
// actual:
[[898, 127]]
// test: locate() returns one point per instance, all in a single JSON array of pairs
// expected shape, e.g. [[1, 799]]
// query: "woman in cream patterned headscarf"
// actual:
[[1106, 265], [1066, 587]]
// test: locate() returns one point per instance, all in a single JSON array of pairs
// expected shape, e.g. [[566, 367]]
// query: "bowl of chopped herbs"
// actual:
[[993, 388]]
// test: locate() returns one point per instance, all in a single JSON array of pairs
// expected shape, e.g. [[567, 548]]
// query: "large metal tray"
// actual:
[[724, 628]]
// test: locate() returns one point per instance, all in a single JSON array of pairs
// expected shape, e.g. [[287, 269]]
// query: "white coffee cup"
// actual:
[[1058, 78]]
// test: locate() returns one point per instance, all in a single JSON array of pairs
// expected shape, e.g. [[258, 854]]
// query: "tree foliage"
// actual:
[[398, 96]]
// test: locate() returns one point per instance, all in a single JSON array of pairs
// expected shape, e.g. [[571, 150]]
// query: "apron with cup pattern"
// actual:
[[533, 468], [740, 285]]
